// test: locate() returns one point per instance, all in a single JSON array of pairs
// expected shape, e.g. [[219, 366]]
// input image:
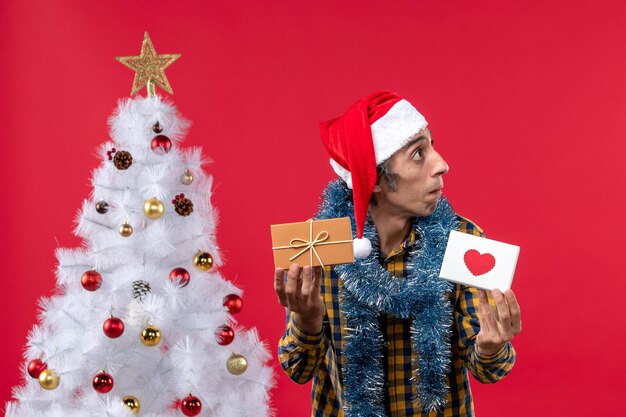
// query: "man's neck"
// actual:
[[392, 229]]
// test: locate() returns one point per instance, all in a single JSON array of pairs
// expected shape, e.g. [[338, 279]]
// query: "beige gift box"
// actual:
[[313, 242]]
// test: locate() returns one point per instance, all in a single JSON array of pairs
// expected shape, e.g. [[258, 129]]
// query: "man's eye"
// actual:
[[417, 155]]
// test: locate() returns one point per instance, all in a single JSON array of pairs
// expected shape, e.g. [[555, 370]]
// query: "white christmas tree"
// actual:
[[143, 323]]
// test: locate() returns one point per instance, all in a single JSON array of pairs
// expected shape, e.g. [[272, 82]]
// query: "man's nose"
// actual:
[[440, 167]]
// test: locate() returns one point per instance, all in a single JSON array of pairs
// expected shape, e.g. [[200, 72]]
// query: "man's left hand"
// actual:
[[497, 326]]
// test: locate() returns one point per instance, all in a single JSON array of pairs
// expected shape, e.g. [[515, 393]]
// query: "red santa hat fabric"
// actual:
[[369, 133]]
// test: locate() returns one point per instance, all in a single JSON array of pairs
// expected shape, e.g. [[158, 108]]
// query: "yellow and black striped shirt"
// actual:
[[319, 357]]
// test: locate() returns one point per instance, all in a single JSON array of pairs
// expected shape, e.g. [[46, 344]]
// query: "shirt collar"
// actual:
[[408, 242]]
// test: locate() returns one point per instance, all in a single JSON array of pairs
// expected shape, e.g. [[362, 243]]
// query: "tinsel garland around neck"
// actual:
[[369, 290]]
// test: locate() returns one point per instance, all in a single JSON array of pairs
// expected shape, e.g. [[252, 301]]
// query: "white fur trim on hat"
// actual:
[[343, 173], [389, 133], [395, 129]]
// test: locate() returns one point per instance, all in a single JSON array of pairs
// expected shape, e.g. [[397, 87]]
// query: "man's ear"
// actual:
[[375, 191]]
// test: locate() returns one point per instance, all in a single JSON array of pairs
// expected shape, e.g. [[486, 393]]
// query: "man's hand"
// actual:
[[301, 295], [498, 326]]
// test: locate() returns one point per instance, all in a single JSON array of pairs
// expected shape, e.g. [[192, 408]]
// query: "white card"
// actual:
[[479, 262]]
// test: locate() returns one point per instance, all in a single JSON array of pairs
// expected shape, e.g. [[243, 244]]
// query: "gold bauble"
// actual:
[[150, 336], [153, 208], [132, 403], [203, 261], [126, 229], [237, 364], [48, 379], [187, 177]]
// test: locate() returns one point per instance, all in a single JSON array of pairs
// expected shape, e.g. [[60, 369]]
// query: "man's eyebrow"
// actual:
[[418, 138]]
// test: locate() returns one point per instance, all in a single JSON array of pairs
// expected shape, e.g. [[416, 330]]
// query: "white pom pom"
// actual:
[[362, 248]]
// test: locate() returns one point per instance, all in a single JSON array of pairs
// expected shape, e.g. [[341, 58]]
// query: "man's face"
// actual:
[[418, 170]]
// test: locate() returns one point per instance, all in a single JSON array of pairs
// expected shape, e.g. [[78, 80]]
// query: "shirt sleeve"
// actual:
[[300, 353], [485, 368]]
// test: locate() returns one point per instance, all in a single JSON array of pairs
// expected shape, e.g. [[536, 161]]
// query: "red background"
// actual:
[[526, 101]]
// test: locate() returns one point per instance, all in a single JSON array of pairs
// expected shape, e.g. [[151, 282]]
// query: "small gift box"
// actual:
[[314, 242], [479, 262]]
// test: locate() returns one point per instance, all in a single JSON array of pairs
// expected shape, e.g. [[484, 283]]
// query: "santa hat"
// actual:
[[369, 133]]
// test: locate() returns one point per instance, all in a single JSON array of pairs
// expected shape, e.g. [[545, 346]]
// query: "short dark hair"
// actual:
[[384, 172]]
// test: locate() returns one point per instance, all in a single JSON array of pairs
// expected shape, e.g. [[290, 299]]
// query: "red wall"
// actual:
[[526, 101]]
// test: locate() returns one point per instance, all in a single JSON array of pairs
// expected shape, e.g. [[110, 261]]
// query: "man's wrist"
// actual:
[[489, 353], [310, 327]]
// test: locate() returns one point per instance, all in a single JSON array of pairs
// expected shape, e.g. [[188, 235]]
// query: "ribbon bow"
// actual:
[[310, 244]]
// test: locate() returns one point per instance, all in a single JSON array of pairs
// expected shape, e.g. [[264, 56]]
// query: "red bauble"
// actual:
[[233, 303], [91, 280], [191, 406], [103, 382], [180, 276], [224, 335], [161, 144], [35, 367], [113, 327]]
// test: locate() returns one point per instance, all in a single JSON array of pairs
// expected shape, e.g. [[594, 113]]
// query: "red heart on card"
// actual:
[[479, 263]]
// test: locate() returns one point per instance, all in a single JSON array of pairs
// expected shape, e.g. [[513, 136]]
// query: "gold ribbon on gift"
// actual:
[[310, 244]]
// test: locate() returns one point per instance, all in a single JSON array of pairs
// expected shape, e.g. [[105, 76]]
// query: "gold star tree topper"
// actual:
[[149, 68]]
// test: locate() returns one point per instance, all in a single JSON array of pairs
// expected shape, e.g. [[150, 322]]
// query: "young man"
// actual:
[[385, 336]]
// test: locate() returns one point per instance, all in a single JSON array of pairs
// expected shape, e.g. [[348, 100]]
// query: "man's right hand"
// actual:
[[301, 295]]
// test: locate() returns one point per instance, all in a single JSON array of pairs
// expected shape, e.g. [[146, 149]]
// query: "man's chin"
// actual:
[[428, 209]]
